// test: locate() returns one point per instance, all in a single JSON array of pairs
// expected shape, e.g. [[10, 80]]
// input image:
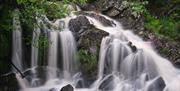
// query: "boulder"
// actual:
[[177, 63], [157, 85], [9, 82], [52, 89], [107, 84], [67, 88]]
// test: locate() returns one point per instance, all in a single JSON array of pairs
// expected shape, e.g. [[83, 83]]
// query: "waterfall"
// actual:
[[52, 54], [17, 42], [126, 62], [68, 47], [34, 47]]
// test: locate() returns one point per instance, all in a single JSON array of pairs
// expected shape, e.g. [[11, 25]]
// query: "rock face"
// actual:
[[113, 8], [9, 83], [157, 85], [67, 88], [107, 84], [78, 26]]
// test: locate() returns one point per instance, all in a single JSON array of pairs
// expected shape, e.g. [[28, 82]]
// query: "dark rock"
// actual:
[[177, 63], [90, 41], [133, 48], [107, 84], [112, 12], [157, 85], [52, 89], [67, 88], [78, 23], [87, 41], [9, 82], [80, 84]]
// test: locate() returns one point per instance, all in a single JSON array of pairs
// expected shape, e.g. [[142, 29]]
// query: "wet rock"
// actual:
[[80, 84], [112, 12], [78, 23], [52, 89], [107, 84], [133, 48], [87, 41], [90, 41], [9, 82], [177, 63], [104, 5], [157, 85], [67, 88]]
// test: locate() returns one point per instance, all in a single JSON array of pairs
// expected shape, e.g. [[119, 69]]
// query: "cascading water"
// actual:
[[122, 66], [68, 51], [34, 47], [52, 56], [17, 42], [141, 70]]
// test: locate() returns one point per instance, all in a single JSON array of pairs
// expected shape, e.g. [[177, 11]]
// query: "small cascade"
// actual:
[[68, 47], [34, 47], [17, 42], [52, 54]]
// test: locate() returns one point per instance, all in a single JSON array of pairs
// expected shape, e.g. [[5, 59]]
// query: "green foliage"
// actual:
[[137, 8], [53, 9], [87, 60], [166, 26], [43, 42], [5, 18]]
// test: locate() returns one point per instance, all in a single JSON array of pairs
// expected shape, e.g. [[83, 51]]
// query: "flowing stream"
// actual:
[[17, 42], [126, 62]]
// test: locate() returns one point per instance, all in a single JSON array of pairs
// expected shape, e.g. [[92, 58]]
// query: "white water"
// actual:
[[34, 47], [17, 42], [119, 68], [52, 53], [68, 51], [134, 68]]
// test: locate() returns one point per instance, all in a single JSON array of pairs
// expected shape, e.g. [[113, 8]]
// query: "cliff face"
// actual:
[[165, 46]]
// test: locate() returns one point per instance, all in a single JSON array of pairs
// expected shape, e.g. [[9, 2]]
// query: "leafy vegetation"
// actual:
[[137, 8], [165, 19], [87, 60], [162, 16], [163, 26]]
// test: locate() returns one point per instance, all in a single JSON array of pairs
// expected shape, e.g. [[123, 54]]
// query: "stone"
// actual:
[[67, 88], [113, 12], [177, 63], [52, 89], [157, 85], [133, 48], [9, 82], [79, 25]]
